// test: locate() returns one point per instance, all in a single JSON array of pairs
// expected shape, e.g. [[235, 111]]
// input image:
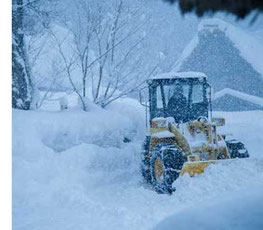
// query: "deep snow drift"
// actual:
[[72, 170], [238, 211]]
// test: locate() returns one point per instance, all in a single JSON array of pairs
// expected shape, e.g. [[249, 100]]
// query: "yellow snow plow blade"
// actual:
[[197, 167]]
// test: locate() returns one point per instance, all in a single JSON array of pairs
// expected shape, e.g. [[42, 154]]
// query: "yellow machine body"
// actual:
[[198, 140], [197, 167]]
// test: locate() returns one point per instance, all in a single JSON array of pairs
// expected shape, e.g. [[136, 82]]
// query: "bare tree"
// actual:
[[68, 62], [55, 80], [108, 38]]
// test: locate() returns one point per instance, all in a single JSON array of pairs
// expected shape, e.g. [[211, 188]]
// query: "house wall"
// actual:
[[230, 103], [220, 60]]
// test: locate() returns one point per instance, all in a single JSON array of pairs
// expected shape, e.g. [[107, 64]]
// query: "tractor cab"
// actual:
[[183, 96]]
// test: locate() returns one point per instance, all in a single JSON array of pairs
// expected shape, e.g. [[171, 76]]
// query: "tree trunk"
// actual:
[[84, 86], [22, 86], [99, 83]]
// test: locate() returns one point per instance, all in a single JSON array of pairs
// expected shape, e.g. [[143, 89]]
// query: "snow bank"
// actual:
[[246, 127], [51, 100], [61, 158], [104, 127], [238, 211], [228, 195], [94, 182]]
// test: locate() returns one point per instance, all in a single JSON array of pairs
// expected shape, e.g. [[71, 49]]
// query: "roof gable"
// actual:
[[250, 48], [243, 96]]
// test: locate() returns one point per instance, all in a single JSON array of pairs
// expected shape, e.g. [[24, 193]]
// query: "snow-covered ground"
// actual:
[[240, 210], [72, 170]]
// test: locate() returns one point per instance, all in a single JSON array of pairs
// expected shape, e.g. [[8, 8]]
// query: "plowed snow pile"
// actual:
[[237, 211], [72, 170]]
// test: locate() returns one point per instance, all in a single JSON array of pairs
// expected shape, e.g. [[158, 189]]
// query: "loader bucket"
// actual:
[[196, 167]]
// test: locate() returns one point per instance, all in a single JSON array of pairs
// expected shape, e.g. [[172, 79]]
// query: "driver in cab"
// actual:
[[177, 104]]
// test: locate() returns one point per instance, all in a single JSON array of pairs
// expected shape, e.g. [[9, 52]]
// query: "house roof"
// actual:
[[246, 97], [250, 48]]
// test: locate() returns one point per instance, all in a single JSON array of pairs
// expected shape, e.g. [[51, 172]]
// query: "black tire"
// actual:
[[237, 149], [172, 160], [145, 161]]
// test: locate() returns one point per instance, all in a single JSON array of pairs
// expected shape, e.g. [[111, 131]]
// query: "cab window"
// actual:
[[197, 93], [159, 98]]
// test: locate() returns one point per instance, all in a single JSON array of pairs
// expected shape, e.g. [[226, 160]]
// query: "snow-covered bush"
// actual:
[[63, 103]]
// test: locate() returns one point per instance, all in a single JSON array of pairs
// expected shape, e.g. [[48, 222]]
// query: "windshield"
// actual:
[[171, 91], [183, 100]]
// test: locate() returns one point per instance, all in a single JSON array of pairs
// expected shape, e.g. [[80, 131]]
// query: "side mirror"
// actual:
[[144, 103], [209, 91], [143, 100], [212, 92], [209, 96]]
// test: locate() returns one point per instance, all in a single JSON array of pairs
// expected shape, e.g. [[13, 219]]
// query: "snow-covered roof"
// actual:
[[174, 75], [250, 48], [238, 94]]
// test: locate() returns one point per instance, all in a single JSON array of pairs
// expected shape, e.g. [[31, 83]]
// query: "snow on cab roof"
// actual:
[[174, 75]]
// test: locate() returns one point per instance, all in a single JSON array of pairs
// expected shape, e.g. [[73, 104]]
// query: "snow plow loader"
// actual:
[[183, 136]]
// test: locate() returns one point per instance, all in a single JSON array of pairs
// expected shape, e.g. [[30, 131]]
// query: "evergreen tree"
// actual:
[[240, 8]]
